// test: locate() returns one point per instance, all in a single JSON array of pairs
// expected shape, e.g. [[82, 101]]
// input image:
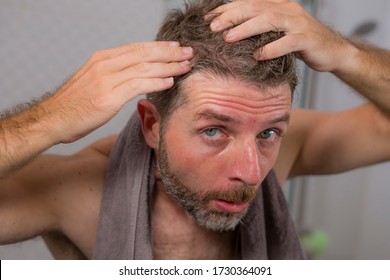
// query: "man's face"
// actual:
[[220, 145]]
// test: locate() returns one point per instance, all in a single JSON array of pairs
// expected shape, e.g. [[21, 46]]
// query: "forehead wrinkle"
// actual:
[[221, 85], [204, 91], [250, 107]]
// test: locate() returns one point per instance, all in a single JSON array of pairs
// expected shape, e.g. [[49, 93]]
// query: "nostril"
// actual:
[[248, 176]]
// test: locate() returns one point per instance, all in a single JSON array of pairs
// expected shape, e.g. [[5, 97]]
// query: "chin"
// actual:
[[216, 220]]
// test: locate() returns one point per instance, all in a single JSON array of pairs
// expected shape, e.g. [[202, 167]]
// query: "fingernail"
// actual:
[[169, 80], [208, 16], [185, 63], [187, 50], [230, 35], [215, 24], [258, 55]]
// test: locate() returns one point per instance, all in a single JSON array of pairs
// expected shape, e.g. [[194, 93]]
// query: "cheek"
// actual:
[[274, 151], [192, 165], [269, 156]]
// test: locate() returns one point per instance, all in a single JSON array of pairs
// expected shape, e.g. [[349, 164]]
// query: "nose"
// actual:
[[246, 164]]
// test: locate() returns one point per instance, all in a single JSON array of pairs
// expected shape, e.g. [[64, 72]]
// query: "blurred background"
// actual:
[[43, 42]]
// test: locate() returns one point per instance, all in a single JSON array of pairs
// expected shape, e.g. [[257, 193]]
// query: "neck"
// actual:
[[175, 235]]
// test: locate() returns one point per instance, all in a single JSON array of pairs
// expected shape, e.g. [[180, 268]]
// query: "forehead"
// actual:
[[203, 89]]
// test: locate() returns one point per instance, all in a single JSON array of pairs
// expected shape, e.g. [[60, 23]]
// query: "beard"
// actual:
[[196, 203]]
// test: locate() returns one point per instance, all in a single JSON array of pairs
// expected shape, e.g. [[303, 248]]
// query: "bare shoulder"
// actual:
[[81, 195], [56, 193]]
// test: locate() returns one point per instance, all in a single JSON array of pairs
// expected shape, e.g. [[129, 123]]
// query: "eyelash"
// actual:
[[220, 131], [204, 132], [274, 130], [217, 139]]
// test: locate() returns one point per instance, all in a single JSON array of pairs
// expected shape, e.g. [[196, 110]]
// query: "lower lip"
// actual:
[[231, 207]]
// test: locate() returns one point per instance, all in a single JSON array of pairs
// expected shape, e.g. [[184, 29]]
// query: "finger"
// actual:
[[102, 55], [114, 52], [231, 17], [221, 9], [251, 9], [285, 45], [263, 23], [129, 90], [148, 55], [254, 26], [150, 70], [142, 54]]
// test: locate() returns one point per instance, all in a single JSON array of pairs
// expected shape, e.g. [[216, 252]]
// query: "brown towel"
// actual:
[[266, 232]]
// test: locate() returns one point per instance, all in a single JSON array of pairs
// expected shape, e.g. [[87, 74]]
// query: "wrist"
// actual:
[[51, 121], [40, 120], [22, 137], [349, 61]]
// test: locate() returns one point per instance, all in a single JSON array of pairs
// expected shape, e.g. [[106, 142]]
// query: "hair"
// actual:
[[216, 57]]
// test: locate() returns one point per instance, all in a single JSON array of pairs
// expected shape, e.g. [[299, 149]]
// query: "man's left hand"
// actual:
[[317, 45]]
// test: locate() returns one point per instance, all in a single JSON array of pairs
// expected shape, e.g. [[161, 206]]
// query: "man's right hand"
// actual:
[[110, 79]]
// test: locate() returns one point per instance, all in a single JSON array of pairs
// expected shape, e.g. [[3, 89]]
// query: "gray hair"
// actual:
[[214, 56]]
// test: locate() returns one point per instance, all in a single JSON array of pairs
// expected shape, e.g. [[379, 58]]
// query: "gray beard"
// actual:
[[196, 203]]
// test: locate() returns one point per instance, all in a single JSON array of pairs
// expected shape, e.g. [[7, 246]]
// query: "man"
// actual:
[[212, 149]]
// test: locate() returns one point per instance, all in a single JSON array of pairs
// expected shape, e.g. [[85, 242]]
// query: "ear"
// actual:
[[150, 122]]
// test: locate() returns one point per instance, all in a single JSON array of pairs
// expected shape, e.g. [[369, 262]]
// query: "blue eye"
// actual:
[[211, 132], [267, 134]]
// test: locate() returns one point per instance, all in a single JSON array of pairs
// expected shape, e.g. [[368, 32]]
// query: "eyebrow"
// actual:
[[211, 115], [285, 118]]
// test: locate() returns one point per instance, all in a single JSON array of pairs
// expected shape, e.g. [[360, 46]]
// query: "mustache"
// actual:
[[239, 194]]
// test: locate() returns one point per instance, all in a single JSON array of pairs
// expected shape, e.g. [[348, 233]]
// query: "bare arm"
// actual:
[[57, 197], [22, 137], [368, 72], [27, 200], [328, 143], [93, 95]]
